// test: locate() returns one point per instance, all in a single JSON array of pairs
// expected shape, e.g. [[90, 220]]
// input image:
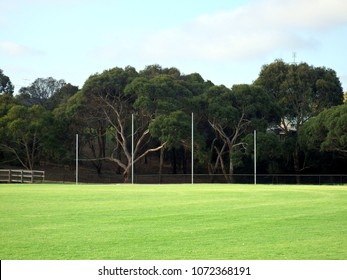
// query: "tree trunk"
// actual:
[[127, 174], [231, 169], [174, 161], [296, 159], [226, 175], [184, 163], [161, 163], [119, 156]]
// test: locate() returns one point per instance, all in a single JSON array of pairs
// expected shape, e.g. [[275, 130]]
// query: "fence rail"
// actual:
[[274, 179], [21, 176]]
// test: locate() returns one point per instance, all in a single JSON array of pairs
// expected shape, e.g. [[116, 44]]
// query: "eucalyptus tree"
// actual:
[[61, 95], [113, 100], [326, 132], [232, 114], [6, 103], [93, 118], [6, 86], [23, 129], [301, 92], [40, 91], [164, 98]]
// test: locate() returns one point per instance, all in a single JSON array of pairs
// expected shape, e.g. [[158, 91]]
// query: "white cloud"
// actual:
[[313, 14], [254, 29], [15, 49]]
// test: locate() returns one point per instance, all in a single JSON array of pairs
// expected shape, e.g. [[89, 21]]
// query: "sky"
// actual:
[[225, 41]]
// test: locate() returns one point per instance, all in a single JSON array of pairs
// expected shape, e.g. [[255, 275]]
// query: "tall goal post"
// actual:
[[76, 159], [255, 157], [192, 148], [132, 148]]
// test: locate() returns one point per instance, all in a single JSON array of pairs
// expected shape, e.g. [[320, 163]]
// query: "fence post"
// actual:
[[10, 176]]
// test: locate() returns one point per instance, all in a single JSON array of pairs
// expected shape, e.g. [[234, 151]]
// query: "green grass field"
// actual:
[[52, 221]]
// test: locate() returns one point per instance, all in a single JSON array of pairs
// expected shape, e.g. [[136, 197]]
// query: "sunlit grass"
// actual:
[[172, 222]]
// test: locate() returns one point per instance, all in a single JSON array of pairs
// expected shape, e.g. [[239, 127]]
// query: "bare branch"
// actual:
[[13, 151], [150, 151]]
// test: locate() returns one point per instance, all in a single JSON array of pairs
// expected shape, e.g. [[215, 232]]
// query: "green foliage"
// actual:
[[269, 153], [160, 94], [24, 129], [257, 105], [40, 92], [110, 82], [6, 86], [6, 102], [61, 96], [174, 129], [233, 114], [301, 91], [326, 132], [23, 122], [164, 96], [289, 99], [226, 114]]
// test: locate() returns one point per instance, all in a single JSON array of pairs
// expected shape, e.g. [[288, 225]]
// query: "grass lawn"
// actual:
[[56, 221]]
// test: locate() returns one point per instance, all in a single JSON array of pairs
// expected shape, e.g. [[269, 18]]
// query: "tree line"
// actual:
[[298, 111]]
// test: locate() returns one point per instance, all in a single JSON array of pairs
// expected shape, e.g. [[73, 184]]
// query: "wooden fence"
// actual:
[[21, 176]]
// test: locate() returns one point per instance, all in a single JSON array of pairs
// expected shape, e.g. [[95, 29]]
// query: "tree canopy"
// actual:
[[301, 92], [327, 132], [6, 86], [297, 110]]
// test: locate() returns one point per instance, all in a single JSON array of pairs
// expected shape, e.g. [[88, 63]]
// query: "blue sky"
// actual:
[[225, 41]]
